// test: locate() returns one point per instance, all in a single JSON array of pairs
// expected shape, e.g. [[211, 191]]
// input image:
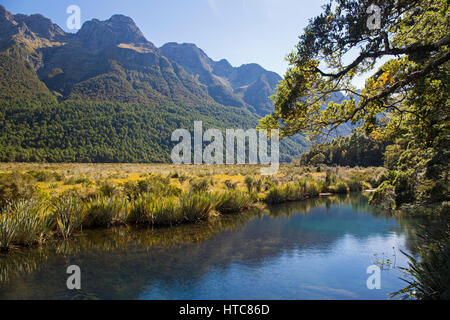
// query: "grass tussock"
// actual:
[[68, 215], [22, 224], [232, 201], [102, 212]]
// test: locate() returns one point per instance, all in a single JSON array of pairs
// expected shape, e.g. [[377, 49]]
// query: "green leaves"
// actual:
[[337, 47]]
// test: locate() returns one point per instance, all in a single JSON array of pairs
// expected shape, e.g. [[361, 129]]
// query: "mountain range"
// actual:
[[107, 94]]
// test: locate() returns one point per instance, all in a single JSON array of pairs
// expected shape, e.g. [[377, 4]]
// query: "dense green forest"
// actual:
[[104, 94], [355, 150], [106, 132]]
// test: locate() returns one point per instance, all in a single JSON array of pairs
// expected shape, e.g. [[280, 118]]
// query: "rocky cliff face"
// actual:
[[97, 35], [248, 86], [104, 61], [32, 27], [113, 61]]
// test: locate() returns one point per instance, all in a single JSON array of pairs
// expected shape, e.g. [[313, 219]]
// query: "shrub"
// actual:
[[384, 196], [342, 188], [230, 185], [41, 176], [154, 185], [13, 187], [404, 187], [249, 182]]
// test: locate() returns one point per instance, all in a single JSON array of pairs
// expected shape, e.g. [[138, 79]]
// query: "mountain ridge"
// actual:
[[228, 85], [99, 94]]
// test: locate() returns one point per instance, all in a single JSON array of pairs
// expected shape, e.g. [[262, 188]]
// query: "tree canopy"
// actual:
[[414, 33], [408, 96]]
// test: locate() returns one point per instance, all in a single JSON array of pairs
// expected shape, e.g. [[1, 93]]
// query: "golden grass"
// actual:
[[122, 173]]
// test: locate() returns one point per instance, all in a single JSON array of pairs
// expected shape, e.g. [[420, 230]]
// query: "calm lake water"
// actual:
[[317, 249]]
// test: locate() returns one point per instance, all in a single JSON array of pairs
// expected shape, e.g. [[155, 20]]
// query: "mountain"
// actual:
[[107, 94], [248, 86]]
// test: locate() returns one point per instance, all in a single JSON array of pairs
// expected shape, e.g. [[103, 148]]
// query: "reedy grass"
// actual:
[[68, 214], [232, 201], [22, 224], [195, 207], [101, 212], [157, 211]]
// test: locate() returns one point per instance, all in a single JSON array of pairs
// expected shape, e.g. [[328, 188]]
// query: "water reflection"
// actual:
[[311, 249]]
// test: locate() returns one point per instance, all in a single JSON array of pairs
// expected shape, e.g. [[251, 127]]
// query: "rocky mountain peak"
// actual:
[[41, 26], [5, 14], [96, 34], [191, 57], [28, 26]]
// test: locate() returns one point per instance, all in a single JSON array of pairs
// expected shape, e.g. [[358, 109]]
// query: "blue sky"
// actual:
[[241, 31]]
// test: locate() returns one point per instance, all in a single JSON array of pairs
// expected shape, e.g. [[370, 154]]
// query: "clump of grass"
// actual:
[[200, 185], [156, 211], [154, 185], [293, 192], [232, 202], [249, 182], [195, 207], [102, 211], [68, 214], [21, 224], [8, 229], [354, 184], [230, 185], [139, 211], [276, 195], [165, 212], [108, 189], [312, 189], [428, 277], [330, 179], [174, 175], [182, 178], [258, 185]]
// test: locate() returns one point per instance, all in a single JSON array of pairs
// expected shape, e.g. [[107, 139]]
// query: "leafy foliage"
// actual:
[[354, 150], [408, 97]]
